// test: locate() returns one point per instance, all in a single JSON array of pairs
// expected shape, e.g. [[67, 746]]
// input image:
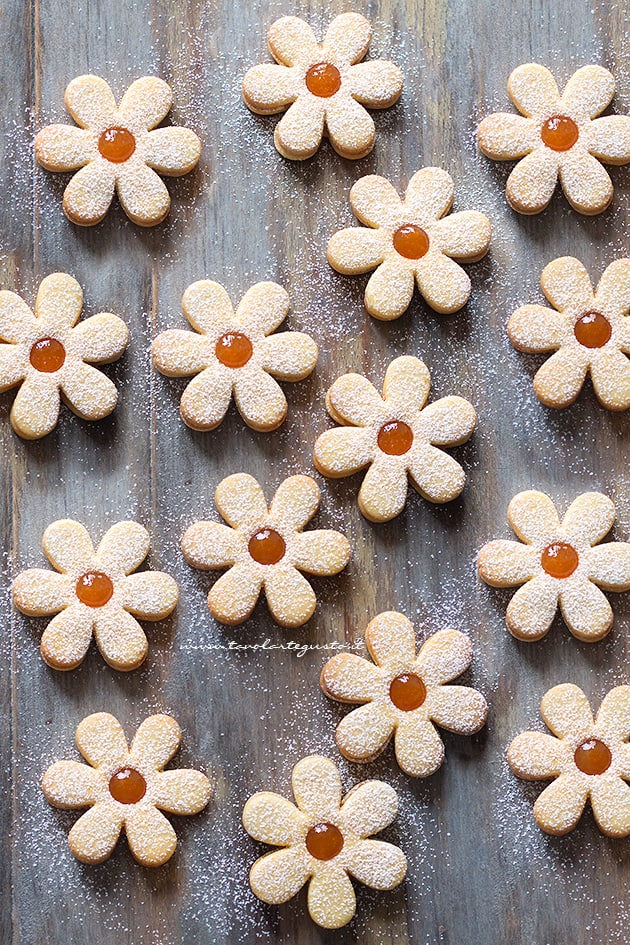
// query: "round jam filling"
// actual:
[[592, 756], [47, 355], [411, 241], [117, 145], [407, 692], [559, 133], [267, 546], [127, 786], [324, 841], [559, 559], [94, 589], [323, 79], [233, 349], [395, 438], [592, 330]]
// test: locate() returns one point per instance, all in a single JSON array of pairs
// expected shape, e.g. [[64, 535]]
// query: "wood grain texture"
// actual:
[[480, 871]]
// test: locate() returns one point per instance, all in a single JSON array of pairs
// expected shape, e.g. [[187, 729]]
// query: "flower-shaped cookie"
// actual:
[[265, 548], [95, 593], [324, 87], [397, 436], [559, 563], [589, 331], [125, 787], [324, 840], [403, 239], [404, 694], [560, 136], [588, 759], [234, 353], [49, 355], [117, 148]]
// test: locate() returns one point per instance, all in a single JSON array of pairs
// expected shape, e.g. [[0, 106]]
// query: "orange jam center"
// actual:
[[592, 756], [559, 133], [592, 330], [411, 241], [94, 589], [323, 79], [47, 355], [323, 841], [407, 692], [127, 786], [559, 559], [267, 546], [117, 145], [395, 438], [233, 349]]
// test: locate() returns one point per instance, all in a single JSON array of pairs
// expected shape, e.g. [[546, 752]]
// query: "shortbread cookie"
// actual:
[[397, 436], [408, 239], [95, 594], [265, 549], [49, 356], [588, 759], [125, 788], [323, 88], [559, 136], [234, 353], [558, 563], [324, 840], [589, 331], [117, 148], [403, 693]]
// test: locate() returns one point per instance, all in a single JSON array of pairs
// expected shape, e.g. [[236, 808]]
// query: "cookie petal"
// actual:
[[506, 137], [449, 421], [269, 88], [124, 547], [271, 818], [368, 808], [88, 392], [560, 806], [609, 565], [610, 800], [263, 307], [143, 195], [95, 834], [178, 353], [289, 355], [354, 400], [391, 641], [278, 876], [343, 451], [209, 545], [206, 399], [67, 545], [64, 147], [17, 322], [378, 864], [589, 518], [589, 91], [172, 151], [89, 193], [531, 184], [101, 740], [419, 748], [347, 677], [292, 42], [99, 339], [613, 717], [531, 611], [59, 301], [90, 101], [458, 709], [207, 306], [240, 500], [363, 733], [507, 563], [389, 290], [465, 235], [70, 784], [586, 184], [383, 492], [534, 328], [146, 103], [376, 84], [331, 898], [536, 756], [610, 373], [290, 597], [299, 132], [120, 638], [358, 249], [533, 517], [429, 194], [13, 365], [184, 791], [38, 592], [151, 837], [444, 656], [436, 475], [150, 595], [533, 89], [67, 637], [586, 611], [376, 202], [260, 400], [317, 788], [155, 742], [347, 38], [442, 283], [296, 501], [350, 127], [322, 551], [560, 379], [234, 596], [608, 139], [407, 384], [613, 290], [566, 711]]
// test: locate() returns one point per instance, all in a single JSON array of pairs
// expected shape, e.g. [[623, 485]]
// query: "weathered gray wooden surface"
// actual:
[[480, 872]]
